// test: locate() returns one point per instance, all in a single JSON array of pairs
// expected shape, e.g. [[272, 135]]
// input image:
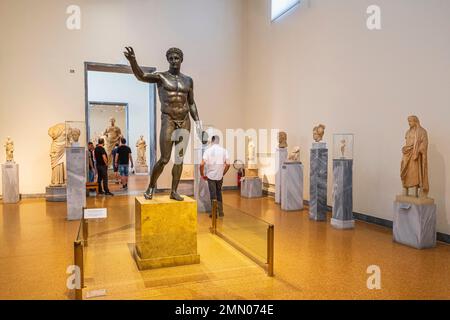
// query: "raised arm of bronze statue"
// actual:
[[176, 94], [140, 75]]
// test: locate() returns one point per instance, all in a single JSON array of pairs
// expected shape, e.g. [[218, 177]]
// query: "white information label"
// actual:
[[96, 213], [96, 293]]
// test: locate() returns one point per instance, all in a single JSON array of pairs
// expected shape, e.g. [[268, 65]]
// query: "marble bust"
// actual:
[[414, 165], [9, 145], [294, 156], [282, 139], [73, 136], [318, 132]]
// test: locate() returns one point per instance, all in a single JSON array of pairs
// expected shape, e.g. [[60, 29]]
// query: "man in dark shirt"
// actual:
[[101, 159], [122, 160]]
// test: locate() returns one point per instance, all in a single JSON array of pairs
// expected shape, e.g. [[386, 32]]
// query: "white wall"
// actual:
[[37, 90], [320, 64], [124, 88]]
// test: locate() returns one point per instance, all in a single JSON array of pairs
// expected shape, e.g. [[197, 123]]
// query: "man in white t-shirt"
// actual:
[[217, 164]]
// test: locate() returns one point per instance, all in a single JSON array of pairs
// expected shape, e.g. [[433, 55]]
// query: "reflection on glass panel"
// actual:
[[246, 231], [280, 7]]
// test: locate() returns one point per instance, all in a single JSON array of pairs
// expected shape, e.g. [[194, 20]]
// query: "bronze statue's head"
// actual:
[[174, 57], [112, 121]]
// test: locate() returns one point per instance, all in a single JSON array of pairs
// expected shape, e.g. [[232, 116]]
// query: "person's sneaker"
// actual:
[[101, 192], [109, 194], [125, 187]]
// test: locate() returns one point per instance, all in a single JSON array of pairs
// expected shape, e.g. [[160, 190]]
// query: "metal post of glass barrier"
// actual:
[[78, 257], [270, 247], [84, 223]]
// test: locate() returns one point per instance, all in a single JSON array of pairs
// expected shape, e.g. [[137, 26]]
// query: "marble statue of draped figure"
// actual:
[[57, 154], [414, 165]]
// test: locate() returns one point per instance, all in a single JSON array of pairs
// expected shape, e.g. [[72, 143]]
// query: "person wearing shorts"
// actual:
[[122, 160]]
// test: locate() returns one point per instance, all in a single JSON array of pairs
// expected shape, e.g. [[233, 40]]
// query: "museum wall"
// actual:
[[38, 90], [320, 64], [123, 88]]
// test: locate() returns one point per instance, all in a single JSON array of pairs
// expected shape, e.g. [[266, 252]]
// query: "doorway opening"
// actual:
[[117, 105]]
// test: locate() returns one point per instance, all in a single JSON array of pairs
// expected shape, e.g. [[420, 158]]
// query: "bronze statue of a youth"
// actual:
[[176, 94]]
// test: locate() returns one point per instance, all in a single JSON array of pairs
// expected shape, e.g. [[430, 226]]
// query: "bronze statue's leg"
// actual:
[[181, 139], [165, 144]]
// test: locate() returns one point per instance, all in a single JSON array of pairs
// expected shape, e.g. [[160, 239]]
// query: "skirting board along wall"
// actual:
[[443, 237]]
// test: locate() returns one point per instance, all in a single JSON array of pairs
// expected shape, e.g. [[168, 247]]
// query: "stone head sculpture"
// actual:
[[75, 134], [318, 132], [282, 139]]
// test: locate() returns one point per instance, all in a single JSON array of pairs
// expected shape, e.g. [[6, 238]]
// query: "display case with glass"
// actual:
[[343, 146], [75, 134]]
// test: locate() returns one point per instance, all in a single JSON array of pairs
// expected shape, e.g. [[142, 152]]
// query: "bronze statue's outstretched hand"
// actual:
[[129, 54]]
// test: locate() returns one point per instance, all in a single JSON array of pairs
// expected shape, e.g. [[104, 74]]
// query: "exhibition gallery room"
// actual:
[[218, 150]]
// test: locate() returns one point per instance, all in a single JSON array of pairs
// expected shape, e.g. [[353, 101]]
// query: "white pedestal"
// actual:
[[10, 182], [415, 224], [292, 186], [280, 157], [76, 182]]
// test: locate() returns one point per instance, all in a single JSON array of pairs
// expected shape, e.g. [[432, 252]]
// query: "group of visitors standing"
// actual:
[[98, 164]]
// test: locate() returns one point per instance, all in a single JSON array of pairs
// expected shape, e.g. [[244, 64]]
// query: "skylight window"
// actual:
[[280, 7]]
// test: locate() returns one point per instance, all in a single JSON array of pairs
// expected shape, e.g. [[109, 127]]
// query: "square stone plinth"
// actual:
[[166, 232], [415, 222], [318, 182], [251, 187], [343, 194], [10, 182], [292, 186]]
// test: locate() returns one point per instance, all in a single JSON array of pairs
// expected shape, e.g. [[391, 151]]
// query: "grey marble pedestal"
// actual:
[[292, 186], [318, 182], [280, 158], [201, 190], [10, 182], [76, 182], [141, 170], [251, 187], [415, 224], [343, 194]]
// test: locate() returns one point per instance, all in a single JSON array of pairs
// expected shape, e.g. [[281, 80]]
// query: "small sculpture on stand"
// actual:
[[9, 145], [57, 154], [343, 146], [414, 165], [141, 146], [251, 154], [294, 156], [318, 132]]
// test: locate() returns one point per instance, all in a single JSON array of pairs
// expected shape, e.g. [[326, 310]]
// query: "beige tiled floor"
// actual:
[[312, 260]]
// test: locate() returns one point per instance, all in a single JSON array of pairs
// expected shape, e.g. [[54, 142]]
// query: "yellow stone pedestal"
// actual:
[[166, 232]]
